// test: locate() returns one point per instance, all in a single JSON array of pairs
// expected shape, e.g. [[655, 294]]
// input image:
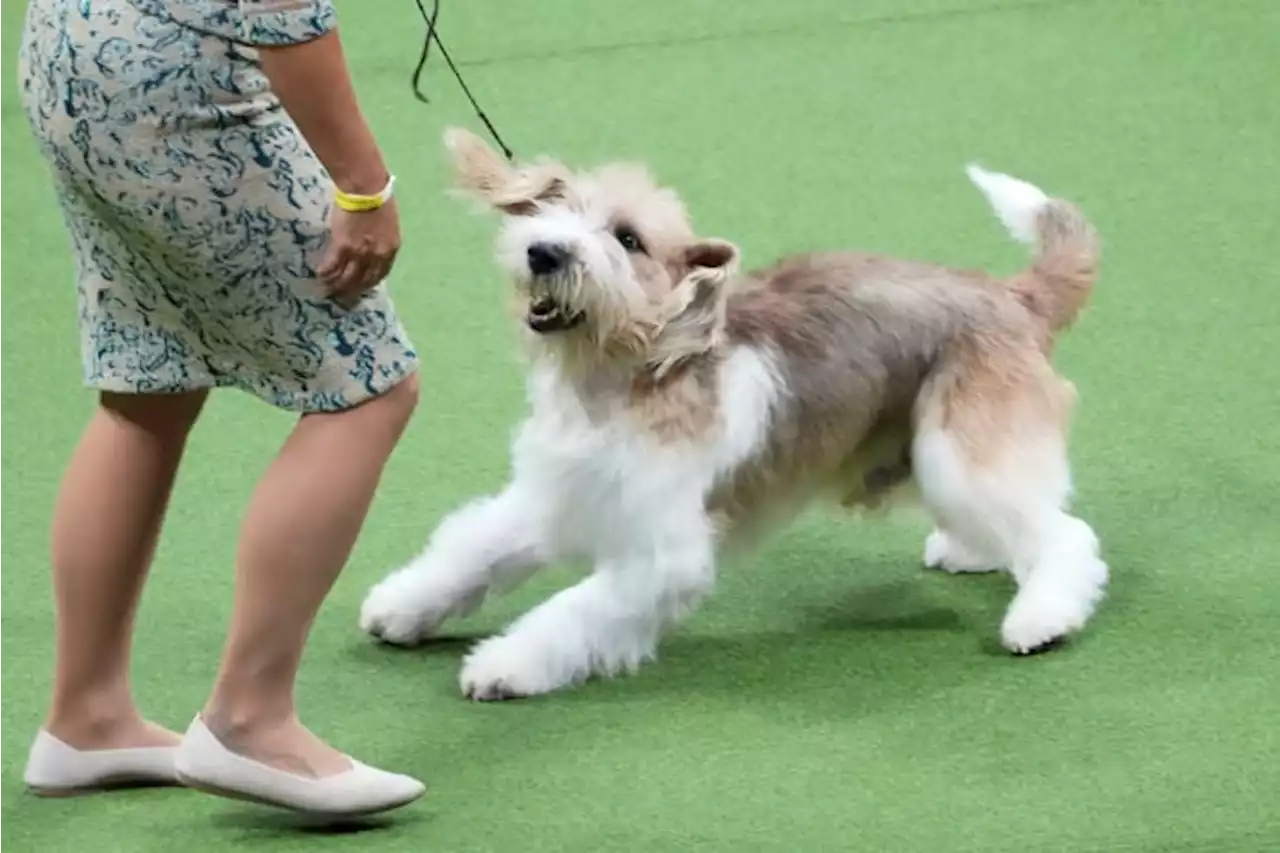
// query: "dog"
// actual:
[[681, 409]]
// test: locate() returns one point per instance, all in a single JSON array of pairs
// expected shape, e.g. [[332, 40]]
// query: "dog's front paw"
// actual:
[[505, 668], [948, 554], [407, 606]]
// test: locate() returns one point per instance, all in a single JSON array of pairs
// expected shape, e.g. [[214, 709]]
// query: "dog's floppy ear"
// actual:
[[483, 174], [711, 254], [701, 293], [695, 312]]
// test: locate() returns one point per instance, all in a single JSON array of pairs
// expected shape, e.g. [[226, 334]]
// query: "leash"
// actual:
[[433, 35]]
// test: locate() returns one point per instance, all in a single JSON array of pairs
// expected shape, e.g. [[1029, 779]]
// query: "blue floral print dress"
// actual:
[[196, 210]]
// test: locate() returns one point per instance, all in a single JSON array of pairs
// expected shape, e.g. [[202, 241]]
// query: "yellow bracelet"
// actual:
[[361, 203]]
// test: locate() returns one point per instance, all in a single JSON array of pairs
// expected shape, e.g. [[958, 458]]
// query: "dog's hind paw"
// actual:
[[1038, 619], [1027, 630], [947, 554]]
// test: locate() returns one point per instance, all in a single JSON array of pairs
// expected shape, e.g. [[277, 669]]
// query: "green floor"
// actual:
[[833, 696]]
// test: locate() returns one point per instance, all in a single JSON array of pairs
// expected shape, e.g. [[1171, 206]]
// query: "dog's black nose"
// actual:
[[546, 258]]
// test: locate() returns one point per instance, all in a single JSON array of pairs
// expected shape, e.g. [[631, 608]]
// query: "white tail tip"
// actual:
[[1016, 202]]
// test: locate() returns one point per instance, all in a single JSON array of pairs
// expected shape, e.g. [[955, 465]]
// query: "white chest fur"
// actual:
[[607, 484]]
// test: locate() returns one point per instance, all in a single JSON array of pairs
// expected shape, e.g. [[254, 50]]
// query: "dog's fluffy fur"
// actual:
[[680, 407]]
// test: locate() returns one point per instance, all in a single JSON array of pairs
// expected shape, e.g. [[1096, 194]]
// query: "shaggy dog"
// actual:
[[680, 408]]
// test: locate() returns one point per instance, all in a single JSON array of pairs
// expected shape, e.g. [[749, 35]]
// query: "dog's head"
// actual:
[[605, 263]]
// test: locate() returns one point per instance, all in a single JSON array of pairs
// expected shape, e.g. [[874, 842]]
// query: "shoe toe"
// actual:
[[206, 763]]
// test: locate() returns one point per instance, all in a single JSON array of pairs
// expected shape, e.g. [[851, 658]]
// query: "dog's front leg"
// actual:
[[607, 624], [492, 542]]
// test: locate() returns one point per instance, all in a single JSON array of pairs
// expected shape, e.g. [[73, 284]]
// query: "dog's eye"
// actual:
[[628, 238]]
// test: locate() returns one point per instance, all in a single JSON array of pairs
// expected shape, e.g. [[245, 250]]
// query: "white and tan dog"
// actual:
[[681, 407]]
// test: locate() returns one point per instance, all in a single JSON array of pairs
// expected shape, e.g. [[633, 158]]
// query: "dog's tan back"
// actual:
[[870, 346]]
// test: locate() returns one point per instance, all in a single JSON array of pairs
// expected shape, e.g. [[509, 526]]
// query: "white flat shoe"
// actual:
[[206, 765], [56, 769]]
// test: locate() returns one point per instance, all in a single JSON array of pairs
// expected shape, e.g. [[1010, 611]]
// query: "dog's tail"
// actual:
[[1062, 273]]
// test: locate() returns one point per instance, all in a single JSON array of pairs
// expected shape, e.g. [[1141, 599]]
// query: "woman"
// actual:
[[232, 223]]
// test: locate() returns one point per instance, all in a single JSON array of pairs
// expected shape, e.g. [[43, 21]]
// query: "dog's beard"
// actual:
[[575, 318], [554, 304]]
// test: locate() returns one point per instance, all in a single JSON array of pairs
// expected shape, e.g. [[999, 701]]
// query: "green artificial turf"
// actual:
[[833, 696]]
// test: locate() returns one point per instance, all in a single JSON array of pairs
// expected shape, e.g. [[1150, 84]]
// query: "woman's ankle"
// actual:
[[89, 710], [232, 718], [273, 735], [99, 726]]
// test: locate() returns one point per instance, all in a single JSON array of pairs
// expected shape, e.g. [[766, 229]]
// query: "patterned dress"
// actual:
[[197, 212]]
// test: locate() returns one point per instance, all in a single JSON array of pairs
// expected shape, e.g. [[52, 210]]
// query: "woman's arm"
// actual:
[[301, 56], [310, 79]]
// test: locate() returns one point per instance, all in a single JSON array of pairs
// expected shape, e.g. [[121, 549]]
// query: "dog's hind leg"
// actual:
[[945, 550], [609, 623], [990, 458], [491, 543]]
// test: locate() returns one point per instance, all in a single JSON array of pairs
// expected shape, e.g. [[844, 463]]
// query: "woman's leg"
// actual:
[[299, 530], [105, 525]]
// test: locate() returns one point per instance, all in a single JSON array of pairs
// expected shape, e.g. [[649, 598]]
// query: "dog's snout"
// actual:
[[546, 258]]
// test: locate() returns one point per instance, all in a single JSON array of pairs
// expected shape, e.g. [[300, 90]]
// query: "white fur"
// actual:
[[613, 294], [600, 489], [590, 488], [1016, 202], [947, 552], [589, 483], [577, 232], [1013, 515]]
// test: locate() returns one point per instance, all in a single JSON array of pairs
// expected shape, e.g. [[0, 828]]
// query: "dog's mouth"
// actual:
[[547, 315]]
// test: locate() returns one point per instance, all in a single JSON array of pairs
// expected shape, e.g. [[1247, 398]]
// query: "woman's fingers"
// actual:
[[378, 271], [334, 261], [359, 276], [362, 253], [354, 276]]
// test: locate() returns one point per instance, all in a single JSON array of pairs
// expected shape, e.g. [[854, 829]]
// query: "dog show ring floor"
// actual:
[[833, 695]]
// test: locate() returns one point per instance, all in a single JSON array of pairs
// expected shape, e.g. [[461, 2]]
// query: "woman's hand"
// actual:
[[362, 249], [311, 80]]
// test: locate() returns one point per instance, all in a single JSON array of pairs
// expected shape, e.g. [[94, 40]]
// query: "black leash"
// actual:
[[434, 35]]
